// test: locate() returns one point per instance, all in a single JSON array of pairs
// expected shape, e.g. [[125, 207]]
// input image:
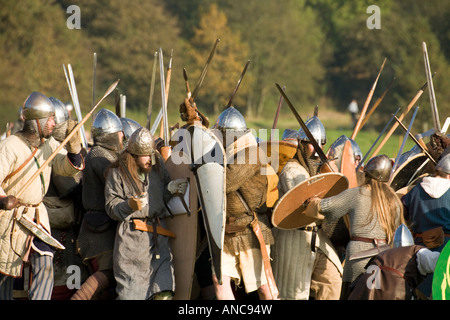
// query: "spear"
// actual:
[[388, 135], [165, 124], [366, 104], [394, 167], [379, 136], [308, 133], [237, 85], [376, 104], [186, 81], [94, 77], [434, 110], [64, 142], [152, 90], [76, 103], [205, 68], [424, 150], [275, 121]]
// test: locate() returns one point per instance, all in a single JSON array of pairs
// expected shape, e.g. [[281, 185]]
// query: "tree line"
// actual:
[[322, 50]]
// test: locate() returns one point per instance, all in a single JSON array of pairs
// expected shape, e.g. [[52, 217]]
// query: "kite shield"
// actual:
[[208, 164]]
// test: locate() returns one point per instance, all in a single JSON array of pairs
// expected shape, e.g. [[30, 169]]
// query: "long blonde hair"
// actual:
[[387, 204]]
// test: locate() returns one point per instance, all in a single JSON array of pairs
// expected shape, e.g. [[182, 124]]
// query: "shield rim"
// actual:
[[307, 220], [216, 252], [404, 165]]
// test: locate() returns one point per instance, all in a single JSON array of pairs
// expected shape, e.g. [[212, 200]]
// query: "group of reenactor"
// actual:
[[104, 211], [280, 218]]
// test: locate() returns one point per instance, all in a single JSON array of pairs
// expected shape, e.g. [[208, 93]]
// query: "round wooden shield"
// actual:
[[409, 170], [441, 275], [288, 212], [278, 151]]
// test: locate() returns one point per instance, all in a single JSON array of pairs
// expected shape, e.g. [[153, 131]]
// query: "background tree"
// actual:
[[286, 46], [230, 57], [35, 45]]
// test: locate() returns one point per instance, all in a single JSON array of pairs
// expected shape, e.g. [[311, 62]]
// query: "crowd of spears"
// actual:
[[119, 216]]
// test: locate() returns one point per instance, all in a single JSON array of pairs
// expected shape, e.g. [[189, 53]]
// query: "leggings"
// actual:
[[42, 281]]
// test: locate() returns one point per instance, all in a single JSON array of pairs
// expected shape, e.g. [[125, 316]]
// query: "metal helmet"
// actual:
[[290, 136], [379, 168], [444, 164], [129, 126], [69, 106], [61, 113], [37, 106], [230, 119], [105, 122], [337, 147], [317, 130], [403, 237], [141, 142]]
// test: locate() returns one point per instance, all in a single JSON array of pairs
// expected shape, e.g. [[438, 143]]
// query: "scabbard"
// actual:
[[266, 259], [143, 226]]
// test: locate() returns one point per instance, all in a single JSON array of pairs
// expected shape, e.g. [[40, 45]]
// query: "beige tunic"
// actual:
[[13, 237], [293, 260]]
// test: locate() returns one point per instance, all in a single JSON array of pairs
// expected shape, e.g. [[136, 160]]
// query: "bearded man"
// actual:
[[142, 259]]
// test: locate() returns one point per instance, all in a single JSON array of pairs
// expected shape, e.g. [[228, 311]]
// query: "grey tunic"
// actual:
[[96, 237], [138, 273], [357, 203]]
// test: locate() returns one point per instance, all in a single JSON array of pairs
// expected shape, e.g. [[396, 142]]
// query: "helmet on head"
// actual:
[[61, 113], [105, 122], [444, 164], [337, 147], [317, 130], [141, 143], [37, 106], [403, 237], [230, 119], [129, 126], [379, 168], [290, 136], [232, 125]]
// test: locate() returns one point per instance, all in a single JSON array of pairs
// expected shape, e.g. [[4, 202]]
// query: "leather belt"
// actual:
[[368, 240], [143, 226], [419, 235], [314, 230]]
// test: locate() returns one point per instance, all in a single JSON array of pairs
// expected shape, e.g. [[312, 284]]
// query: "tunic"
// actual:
[[357, 203], [138, 273], [13, 153], [293, 259], [96, 237], [429, 211]]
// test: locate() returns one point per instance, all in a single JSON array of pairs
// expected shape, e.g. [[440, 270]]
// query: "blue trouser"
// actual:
[[41, 284]]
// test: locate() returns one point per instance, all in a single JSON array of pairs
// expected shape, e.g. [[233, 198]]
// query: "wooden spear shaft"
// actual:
[[366, 104], [376, 104], [62, 144], [417, 142], [395, 125]]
